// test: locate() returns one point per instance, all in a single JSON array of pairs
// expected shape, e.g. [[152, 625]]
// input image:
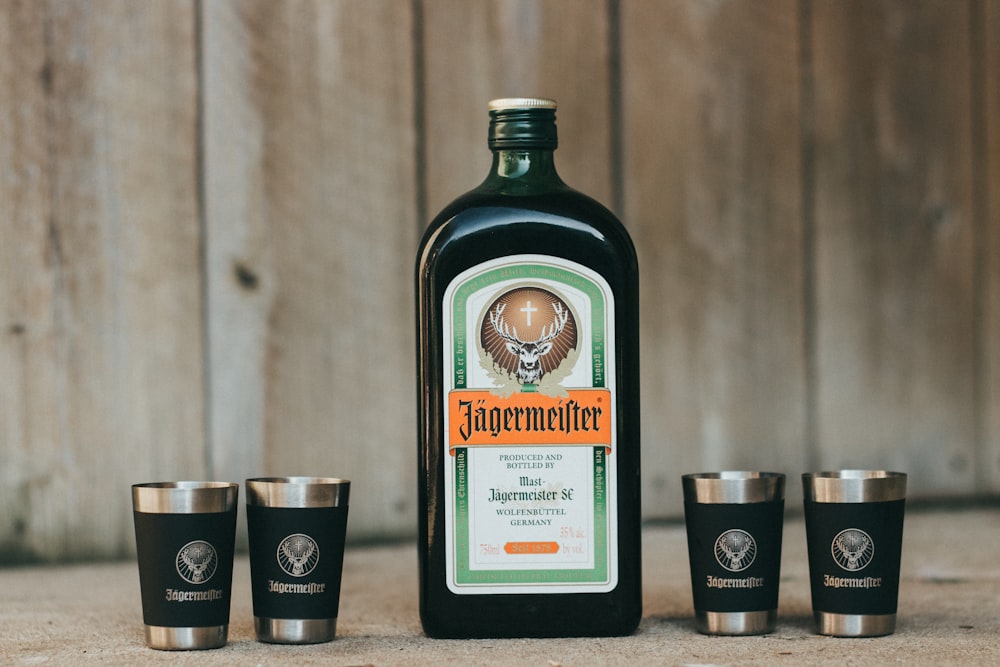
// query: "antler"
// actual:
[[855, 547], [193, 564], [502, 328], [562, 316], [735, 556], [197, 564], [295, 558], [509, 333]]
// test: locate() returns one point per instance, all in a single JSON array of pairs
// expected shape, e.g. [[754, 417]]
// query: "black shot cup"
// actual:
[[854, 533], [296, 528], [734, 525], [184, 534]]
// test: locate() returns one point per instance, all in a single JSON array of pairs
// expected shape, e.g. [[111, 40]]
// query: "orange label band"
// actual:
[[582, 417], [531, 547]]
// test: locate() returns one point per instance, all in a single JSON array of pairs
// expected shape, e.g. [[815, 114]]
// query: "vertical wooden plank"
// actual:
[[894, 244], [990, 226], [26, 287], [478, 51], [311, 230], [100, 330], [713, 190]]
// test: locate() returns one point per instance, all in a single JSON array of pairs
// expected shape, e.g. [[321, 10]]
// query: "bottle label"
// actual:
[[529, 409]]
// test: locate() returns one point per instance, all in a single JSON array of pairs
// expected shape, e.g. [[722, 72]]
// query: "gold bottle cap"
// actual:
[[521, 103]]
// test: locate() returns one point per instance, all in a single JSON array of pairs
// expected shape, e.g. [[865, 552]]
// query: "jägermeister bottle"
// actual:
[[528, 355]]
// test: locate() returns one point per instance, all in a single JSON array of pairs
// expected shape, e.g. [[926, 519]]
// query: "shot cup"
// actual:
[[184, 535], [296, 527], [854, 531], [734, 527]]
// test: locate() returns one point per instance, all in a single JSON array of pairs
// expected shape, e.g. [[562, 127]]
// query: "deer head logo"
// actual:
[[853, 549], [735, 550], [196, 562], [528, 331], [298, 555]]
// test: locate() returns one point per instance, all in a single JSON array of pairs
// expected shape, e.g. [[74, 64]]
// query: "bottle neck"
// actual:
[[523, 139], [523, 171]]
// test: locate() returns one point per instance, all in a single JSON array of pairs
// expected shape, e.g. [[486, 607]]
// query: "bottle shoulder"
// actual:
[[480, 225]]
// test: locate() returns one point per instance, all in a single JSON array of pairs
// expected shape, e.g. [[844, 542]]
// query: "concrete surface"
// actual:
[[949, 612]]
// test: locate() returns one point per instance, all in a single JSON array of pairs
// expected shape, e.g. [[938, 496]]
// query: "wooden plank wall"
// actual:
[[101, 356], [311, 226], [713, 195], [895, 228], [986, 134], [209, 210]]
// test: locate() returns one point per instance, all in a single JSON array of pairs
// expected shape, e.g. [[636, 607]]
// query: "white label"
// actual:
[[530, 412]]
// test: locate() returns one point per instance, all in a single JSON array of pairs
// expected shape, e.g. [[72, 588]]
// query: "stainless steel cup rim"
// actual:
[[184, 497], [302, 492], [733, 486], [854, 486]]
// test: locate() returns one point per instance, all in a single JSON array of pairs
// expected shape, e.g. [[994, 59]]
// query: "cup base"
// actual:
[[736, 622], [186, 639], [294, 631], [854, 625]]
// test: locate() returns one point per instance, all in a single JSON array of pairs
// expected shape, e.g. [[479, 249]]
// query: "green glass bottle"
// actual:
[[528, 385]]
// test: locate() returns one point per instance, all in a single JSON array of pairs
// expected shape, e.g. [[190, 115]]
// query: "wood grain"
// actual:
[[209, 212], [311, 230], [100, 309], [989, 96], [713, 189], [894, 240], [478, 51]]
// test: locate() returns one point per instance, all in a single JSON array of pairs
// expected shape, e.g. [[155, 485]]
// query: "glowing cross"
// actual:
[[528, 310]]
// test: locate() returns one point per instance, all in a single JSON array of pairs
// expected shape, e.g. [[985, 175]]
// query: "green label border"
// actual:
[[529, 271]]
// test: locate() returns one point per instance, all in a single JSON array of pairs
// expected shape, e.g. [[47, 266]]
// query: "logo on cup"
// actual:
[[735, 550], [853, 549], [298, 555], [197, 562]]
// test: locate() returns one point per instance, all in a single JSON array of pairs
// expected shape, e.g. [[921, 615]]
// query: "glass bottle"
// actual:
[[528, 402]]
